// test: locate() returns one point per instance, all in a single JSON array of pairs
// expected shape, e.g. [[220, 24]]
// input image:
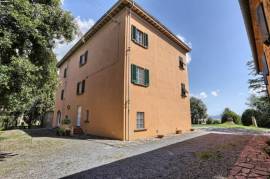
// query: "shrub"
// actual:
[[60, 132], [246, 118], [209, 120], [230, 114], [66, 121]]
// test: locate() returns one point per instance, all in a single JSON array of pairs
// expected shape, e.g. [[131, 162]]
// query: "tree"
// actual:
[[29, 30], [198, 110], [247, 115], [259, 102], [228, 113]]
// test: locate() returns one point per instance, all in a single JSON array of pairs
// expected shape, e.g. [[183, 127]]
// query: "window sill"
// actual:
[[138, 84], [145, 47], [140, 130]]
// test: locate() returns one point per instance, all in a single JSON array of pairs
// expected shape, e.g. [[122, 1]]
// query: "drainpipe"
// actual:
[[128, 70]]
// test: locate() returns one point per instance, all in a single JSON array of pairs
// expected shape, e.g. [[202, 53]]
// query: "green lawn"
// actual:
[[226, 125]]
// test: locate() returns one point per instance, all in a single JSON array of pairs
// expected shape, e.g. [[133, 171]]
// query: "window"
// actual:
[[65, 72], [62, 94], [139, 37], [140, 76], [181, 63], [58, 118], [80, 87], [183, 90], [263, 24], [83, 58], [140, 120]]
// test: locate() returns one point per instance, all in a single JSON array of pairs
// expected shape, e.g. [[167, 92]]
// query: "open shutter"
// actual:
[[133, 33], [146, 77], [133, 74], [78, 88], [83, 86], [81, 60], [145, 40], [86, 56]]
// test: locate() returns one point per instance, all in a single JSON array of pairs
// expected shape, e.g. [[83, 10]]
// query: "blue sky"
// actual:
[[217, 71]]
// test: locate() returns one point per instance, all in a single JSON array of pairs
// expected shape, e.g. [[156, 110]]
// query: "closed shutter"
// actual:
[[145, 40], [133, 73], [83, 86], [86, 56], [133, 33], [146, 77]]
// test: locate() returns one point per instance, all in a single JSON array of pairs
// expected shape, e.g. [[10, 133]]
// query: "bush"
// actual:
[[216, 122], [246, 118], [60, 132], [209, 121], [230, 114], [66, 121]]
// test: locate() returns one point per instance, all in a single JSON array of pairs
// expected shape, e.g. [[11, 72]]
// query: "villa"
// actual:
[[127, 78], [257, 20]]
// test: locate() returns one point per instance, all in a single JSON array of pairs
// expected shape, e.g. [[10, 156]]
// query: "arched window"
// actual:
[[58, 118]]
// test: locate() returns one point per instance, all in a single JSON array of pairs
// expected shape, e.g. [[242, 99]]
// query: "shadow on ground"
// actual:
[[52, 133], [4, 155], [202, 157]]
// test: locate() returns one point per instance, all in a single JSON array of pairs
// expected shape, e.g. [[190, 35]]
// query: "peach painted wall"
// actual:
[[165, 110], [104, 86]]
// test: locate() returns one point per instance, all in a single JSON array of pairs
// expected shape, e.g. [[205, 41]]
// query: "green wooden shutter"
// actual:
[[86, 56], [78, 88], [83, 86], [145, 40], [133, 33], [133, 73], [146, 77]]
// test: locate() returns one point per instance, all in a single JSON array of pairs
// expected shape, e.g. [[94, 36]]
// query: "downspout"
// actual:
[[128, 70]]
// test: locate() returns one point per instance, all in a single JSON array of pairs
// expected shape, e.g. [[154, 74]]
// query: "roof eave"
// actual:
[[107, 16], [245, 8]]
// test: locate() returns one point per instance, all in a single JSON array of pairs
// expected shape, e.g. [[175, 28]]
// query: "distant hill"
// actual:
[[216, 117]]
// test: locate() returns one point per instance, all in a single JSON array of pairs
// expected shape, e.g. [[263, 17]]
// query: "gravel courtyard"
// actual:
[[199, 154]]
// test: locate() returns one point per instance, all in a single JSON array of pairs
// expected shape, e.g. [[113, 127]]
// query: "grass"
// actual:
[[207, 155], [232, 126]]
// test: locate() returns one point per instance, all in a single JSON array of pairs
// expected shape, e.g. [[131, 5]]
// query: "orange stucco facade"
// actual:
[[257, 19], [110, 102]]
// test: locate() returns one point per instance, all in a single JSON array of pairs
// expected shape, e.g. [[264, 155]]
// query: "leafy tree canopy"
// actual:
[[228, 113], [198, 110], [29, 30]]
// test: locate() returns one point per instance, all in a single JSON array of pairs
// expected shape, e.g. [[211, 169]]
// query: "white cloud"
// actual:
[[83, 25], [202, 95], [215, 93], [188, 58], [184, 40]]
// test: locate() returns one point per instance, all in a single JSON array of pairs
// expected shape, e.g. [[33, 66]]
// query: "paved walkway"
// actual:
[[253, 161]]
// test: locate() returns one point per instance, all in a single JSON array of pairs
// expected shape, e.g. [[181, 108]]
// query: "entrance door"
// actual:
[[58, 119], [79, 115]]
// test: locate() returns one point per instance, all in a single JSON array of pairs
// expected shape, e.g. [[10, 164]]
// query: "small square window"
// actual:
[[183, 90], [80, 87], [140, 120], [62, 94], [181, 63], [83, 59], [65, 72]]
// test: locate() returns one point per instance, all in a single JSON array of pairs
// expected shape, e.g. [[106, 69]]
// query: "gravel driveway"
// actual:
[[199, 154], [50, 157]]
